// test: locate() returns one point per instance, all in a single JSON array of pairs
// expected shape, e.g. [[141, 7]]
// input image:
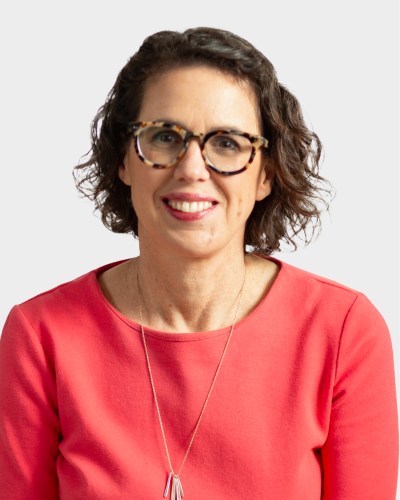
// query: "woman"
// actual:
[[200, 367]]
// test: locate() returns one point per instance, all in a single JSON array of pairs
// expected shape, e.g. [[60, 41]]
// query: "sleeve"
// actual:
[[360, 456], [29, 425]]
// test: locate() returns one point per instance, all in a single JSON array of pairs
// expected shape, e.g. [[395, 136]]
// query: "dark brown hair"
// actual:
[[298, 191]]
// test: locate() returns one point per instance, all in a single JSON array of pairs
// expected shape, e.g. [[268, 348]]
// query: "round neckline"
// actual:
[[185, 336]]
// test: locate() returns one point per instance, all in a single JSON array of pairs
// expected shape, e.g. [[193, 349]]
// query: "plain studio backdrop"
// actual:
[[60, 59]]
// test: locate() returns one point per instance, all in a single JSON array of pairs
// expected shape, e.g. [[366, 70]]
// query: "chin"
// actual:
[[192, 244]]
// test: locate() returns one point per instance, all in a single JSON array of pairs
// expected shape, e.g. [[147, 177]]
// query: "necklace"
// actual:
[[173, 482]]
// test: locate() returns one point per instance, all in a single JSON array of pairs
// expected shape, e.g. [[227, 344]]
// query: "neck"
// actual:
[[186, 294]]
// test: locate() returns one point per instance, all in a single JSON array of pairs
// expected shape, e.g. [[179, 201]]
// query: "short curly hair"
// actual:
[[298, 193]]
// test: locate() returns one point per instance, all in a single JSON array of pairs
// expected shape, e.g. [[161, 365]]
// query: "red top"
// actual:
[[303, 408]]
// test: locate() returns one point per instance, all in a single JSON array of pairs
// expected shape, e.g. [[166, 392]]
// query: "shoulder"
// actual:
[[310, 295], [66, 304], [317, 311], [314, 286]]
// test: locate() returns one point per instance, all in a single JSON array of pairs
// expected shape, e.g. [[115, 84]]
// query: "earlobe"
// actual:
[[123, 174], [264, 190], [264, 187]]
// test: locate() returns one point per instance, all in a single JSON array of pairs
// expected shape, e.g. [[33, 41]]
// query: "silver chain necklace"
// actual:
[[173, 482]]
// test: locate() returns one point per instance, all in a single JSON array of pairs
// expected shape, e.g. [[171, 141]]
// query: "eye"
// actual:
[[160, 139], [225, 142], [165, 137]]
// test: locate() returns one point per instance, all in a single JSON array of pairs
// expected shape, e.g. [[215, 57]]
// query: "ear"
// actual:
[[123, 174], [264, 185]]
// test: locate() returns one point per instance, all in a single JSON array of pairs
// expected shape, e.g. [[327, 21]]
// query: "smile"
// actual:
[[189, 206]]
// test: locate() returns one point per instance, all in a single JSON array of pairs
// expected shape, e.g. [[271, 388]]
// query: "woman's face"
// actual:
[[200, 99]]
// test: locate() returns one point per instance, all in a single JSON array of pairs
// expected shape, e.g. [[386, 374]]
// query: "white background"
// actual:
[[60, 59]]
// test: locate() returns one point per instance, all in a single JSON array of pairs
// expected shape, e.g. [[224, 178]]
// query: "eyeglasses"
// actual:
[[163, 145]]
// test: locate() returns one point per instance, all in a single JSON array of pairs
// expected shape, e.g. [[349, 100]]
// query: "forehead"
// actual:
[[201, 98]]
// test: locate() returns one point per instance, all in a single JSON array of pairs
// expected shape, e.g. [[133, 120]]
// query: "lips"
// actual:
[[189, 206]]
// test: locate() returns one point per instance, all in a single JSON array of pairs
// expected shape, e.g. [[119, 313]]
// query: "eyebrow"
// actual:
[[212, 129]]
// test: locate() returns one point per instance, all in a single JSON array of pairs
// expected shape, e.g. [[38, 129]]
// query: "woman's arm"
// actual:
[[360, 456], [29, 425]]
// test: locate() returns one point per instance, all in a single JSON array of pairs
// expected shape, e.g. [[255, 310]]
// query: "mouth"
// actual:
[[189, 206]]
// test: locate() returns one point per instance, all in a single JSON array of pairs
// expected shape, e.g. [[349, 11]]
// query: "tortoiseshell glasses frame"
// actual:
[[255, 142]]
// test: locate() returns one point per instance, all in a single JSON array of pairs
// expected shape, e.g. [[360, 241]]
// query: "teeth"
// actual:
[[186, 206]]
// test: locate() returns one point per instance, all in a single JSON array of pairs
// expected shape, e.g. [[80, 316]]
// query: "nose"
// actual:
[[191, 167]]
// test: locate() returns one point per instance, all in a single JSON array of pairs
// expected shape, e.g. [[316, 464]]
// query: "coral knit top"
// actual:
[[304, 406]]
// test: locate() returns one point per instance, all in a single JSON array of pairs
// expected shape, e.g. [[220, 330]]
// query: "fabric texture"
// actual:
[[304, 406]]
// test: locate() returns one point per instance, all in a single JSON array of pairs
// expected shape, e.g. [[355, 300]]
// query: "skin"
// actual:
[[186, 263]]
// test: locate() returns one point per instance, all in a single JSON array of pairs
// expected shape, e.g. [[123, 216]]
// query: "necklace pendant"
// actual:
[[176, 487], [167, 485]]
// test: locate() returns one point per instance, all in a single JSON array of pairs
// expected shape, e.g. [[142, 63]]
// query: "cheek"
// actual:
[[147, 185], [245, 204], [239, 210]]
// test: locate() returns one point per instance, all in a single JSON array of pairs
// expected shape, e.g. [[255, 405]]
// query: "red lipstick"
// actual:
[[189, 197], [189, 206]]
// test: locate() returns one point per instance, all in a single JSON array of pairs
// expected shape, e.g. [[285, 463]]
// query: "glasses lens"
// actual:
[[160, 144], [228, 152]]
